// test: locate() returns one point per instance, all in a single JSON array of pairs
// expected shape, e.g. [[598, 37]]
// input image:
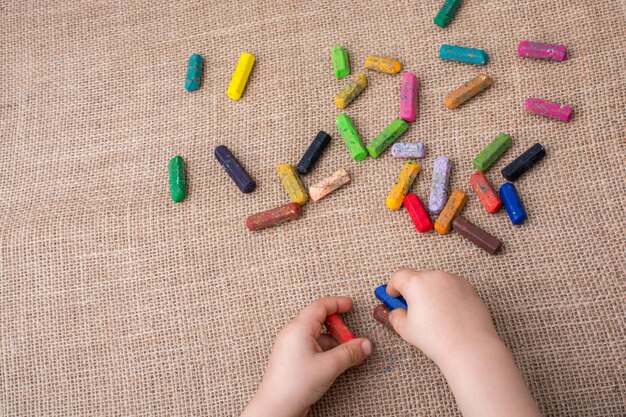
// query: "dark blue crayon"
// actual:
[[524, 162], [233, 168], [512, 203], [313, 153], [390, 302]]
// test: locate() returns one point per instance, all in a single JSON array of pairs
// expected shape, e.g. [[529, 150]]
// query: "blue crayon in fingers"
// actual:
[[390, 302], [462, 54], [512, 203], [235, 171]]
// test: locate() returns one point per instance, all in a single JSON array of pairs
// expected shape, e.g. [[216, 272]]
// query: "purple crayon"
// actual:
[[538, 50], [407, 150], [548, 109], [439, 187]]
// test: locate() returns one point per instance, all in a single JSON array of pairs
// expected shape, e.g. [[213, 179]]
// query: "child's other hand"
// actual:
[[304, 362], [445, 313]]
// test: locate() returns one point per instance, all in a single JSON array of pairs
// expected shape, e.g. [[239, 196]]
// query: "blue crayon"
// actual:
[[194, 72], [462, 54], [233, 168], [313, 152], [390, 302], [512, 203]]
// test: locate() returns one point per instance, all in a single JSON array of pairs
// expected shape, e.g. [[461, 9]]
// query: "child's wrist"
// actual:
[[471, 350], [267, 403]]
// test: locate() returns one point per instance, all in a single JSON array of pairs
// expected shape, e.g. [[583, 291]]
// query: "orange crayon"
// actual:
[[467, 91], [453, 208]]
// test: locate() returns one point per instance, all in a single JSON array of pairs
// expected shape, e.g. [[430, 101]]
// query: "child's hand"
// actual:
[[444, 314], [304, 362], [449, 322]]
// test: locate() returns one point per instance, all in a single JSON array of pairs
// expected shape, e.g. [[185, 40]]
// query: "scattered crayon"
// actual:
[[383, 64], [439, 187], [240, 77], [512, 203], [485, 192], [381, 315], [178, 184], [490, 153], [476, 235], [341, 63], [402, 185], [193, 80], [549, 109], [351, 137], [350, 91], [313, 152], [328, 185], [390, 302], [273, 217], [233, 168], [408, 150], [524, 162], [292, 184], [446, 13], [467, 91], [337, 329], [453, 208], [539, 50], [408, 97], [418, 213], [387, 137], [463, 54]]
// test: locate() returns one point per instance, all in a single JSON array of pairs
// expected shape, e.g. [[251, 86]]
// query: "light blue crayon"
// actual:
[[462, 54], [194, 72]]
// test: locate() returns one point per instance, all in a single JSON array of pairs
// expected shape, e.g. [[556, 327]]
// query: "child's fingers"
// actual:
[[347, 355], [318, 310], [398, 320], [399, 282], [327, 342]]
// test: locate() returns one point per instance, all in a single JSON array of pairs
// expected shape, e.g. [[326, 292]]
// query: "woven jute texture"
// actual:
[[115, 301]]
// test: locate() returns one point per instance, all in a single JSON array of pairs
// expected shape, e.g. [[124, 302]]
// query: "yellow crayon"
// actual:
[[240, 77], [292, 184], [401, 188], [383, 64], [453, 208], [350, 91], [467, 91]]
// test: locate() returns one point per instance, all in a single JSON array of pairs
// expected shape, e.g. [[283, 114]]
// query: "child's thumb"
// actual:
[[397, 319], [349, 354]]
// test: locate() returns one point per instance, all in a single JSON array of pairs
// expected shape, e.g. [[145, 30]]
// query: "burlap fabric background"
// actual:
[[116, 301]]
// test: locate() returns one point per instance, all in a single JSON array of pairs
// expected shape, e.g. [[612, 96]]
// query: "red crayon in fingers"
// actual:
[[337, 329]]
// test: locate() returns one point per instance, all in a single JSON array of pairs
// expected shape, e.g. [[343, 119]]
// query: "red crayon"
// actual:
[[485, 192], [418, 214], [337, 329]]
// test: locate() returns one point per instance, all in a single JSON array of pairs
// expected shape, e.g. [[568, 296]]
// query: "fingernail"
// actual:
[[366, 347]]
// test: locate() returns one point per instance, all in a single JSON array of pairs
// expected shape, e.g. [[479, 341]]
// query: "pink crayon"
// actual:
[[549, 109], [408, 97], [538, 50]]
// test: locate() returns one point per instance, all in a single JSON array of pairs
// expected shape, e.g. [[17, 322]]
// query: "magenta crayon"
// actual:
[[408, 97], [538, 50], [548, 109]]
